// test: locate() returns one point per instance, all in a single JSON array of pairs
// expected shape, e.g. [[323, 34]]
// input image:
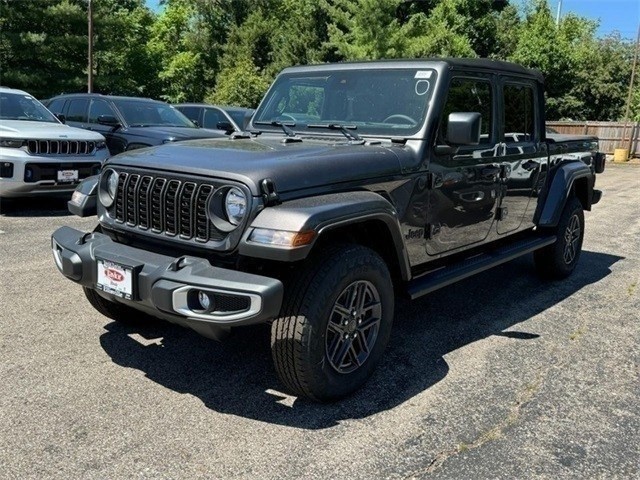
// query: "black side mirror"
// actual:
[[195, 122], [61, 117], [464, 128], [226, 126], [109, 120]]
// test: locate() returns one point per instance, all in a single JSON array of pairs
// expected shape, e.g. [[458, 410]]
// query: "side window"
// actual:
[[56, 105], [469, 95], [100, 107], [519, 114], [212, 117], [77, 110], [192, 113]]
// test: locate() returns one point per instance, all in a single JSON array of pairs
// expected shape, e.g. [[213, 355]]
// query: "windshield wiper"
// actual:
[[291, 135], [284, 126], [344, 129]]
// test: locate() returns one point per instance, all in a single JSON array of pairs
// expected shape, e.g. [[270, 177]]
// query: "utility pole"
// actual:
[[559, 12], [630, 96], [90, 52]]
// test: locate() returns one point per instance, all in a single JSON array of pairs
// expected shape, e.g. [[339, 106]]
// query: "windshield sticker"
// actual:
[[423, 74], [422, 87]]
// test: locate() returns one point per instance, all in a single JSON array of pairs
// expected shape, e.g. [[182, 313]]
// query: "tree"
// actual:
[[43, 47]]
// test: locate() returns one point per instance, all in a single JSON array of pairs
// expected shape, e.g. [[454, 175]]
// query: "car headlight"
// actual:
[[101, 145], [108, 187], [235, 205], [11, 142]]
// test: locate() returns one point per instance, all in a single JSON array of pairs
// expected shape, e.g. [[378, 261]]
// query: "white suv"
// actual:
[[39, 155]]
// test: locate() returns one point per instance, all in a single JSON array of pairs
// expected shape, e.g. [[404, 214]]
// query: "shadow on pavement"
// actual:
[[236, 377], [35, 206]]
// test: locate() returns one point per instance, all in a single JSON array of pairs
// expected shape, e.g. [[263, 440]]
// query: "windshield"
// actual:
[[152, 114], [385, 102], [20, 106]]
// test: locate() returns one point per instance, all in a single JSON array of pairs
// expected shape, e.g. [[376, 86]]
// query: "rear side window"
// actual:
[[469, 95], [56, 106], [192, 113], [77, 110], [519, 114]]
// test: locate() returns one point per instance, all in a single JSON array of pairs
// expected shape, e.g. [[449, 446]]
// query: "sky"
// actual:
[[621, 15]]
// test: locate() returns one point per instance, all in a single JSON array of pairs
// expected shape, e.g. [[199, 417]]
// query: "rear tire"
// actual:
[[115, 311], [334, 324], [559, 259]]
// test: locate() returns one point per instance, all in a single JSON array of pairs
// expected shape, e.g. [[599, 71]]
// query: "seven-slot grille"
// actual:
[[60, 147], [163, 206]]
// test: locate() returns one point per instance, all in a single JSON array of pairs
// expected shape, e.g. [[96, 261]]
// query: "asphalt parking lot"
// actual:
[[500, 376]]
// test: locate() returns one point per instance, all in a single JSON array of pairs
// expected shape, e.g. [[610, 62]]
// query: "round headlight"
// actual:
[[235, 204], [108, 188], [112, 184]]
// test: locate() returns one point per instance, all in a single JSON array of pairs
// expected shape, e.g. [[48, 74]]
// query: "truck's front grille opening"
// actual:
[[61, 147], [169, 207], [35, 172]]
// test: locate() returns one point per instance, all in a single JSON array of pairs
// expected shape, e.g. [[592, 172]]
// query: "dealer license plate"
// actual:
[[115, 279], [67, 176]]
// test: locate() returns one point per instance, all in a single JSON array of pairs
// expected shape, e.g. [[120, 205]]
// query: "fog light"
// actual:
[[205, 300], [6, 170]]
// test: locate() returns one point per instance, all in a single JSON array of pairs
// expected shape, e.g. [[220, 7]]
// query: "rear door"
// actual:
[[76, 112], [524, 152]]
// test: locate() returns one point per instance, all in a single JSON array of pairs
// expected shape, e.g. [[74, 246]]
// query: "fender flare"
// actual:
[[559, 187], [322, 214]]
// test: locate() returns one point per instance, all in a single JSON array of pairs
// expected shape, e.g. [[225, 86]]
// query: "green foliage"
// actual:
[[241, 84], [229, 51]]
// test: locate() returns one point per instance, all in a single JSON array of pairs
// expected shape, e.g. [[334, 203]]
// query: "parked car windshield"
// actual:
[[385, 102], [20, 106], [151, 114]]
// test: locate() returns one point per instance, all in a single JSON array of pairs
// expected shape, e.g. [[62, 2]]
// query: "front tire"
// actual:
[[334, 325], [559, 259]]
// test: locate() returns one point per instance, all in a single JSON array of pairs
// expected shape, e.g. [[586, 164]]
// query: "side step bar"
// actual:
[[447, 275]]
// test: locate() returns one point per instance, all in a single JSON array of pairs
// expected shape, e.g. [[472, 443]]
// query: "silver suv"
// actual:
[[39, 155]]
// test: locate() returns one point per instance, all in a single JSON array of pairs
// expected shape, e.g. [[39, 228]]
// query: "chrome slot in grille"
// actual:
[[157, 225], [170, 207], [131, 199], [60, 147], [202, 222], [143, 202], [163, 206]]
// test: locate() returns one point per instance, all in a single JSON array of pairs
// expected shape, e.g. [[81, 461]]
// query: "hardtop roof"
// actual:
[[480, 64]]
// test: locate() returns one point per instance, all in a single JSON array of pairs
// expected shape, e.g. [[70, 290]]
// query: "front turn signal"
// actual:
[[282, 238]]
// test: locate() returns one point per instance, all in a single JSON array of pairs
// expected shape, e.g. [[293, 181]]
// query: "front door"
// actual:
[[466, 183], [115, 141]]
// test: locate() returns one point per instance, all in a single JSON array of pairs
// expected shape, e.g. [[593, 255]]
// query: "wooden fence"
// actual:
[[609, 133]]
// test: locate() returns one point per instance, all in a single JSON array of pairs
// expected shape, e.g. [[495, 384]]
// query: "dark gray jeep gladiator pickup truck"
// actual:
[[352, 184]]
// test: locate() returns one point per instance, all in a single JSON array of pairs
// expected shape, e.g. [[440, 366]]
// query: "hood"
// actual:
[[177, 133], [21, 129], [292, 166]]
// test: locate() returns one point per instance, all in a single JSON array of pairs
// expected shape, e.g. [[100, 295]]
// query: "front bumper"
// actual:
[[24, 165], [163, 283]]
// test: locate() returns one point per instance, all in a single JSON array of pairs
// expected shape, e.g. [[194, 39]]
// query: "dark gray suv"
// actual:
[[127, 123]]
